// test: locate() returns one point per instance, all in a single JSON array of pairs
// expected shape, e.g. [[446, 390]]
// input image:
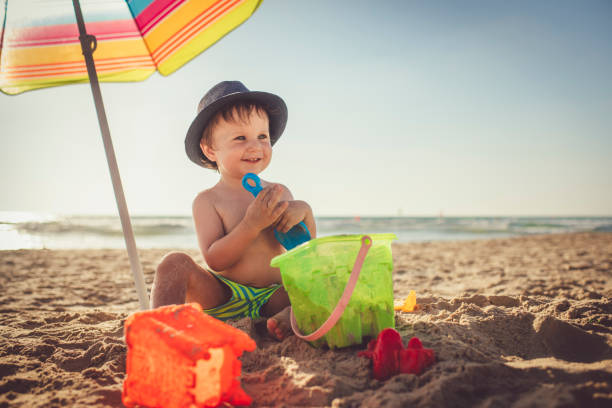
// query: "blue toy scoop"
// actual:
[[297, 235]]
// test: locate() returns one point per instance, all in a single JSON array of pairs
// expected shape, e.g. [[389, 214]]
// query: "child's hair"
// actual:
[[237, 112]]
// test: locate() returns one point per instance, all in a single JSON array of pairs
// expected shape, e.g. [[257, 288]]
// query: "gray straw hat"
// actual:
[[222, 95]]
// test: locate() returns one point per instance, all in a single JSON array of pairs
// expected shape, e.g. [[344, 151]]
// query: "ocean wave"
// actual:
[[48, 231], [104, 226]]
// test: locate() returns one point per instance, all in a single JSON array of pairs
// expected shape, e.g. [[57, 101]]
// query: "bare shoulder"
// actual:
[[207, 221], [204, 198], [205, 202], [286, 192]]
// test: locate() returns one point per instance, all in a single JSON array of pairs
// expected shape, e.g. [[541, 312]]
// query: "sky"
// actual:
[[410, 108]]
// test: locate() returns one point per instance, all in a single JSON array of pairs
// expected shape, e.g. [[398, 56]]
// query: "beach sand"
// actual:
[[516, 322]]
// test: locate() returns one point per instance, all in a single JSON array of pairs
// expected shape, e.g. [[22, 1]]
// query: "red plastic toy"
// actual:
[[390, 358], [179, 356]]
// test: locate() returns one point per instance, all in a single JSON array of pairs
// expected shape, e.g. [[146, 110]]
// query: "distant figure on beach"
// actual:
[[233, 133]]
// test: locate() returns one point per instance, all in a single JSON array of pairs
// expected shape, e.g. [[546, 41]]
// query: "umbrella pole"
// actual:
[[88, 45]]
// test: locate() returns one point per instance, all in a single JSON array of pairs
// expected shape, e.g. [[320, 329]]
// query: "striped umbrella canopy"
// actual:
[[40, 46], [47, 43]]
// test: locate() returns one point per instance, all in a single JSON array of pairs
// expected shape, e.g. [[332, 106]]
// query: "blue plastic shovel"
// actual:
[[297, 235]]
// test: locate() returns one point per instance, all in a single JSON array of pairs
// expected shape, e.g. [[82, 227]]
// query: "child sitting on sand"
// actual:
[[233, 133]]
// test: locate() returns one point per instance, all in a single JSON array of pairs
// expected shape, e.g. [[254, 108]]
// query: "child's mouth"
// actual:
[[252, 160]]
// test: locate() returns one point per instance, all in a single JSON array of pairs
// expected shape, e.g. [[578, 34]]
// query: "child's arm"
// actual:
[[222, 251], [296, 212]]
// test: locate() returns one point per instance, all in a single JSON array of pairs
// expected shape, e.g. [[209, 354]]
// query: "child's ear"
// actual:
[[208, 151]]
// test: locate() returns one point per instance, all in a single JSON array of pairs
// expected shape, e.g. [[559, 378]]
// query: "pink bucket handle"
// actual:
[[366, 243]]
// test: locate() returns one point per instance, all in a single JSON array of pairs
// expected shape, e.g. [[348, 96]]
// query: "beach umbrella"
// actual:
[[47, 43]]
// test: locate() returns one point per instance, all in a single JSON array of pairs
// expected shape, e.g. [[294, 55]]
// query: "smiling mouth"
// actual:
[[251, 160]]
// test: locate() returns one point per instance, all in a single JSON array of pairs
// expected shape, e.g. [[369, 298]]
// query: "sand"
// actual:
[[519, 322]]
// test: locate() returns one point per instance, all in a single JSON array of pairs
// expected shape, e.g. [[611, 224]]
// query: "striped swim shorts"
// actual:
[[246, 301]]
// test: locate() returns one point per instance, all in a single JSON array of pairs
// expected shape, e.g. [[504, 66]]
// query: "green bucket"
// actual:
[[316, 274]]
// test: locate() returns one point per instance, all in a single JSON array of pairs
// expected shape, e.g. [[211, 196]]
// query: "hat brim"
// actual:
[[274, 105]]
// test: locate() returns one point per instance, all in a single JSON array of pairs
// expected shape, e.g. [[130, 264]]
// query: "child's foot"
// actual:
[[279, 325]]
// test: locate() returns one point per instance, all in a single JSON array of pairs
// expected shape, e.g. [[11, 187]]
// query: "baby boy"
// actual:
[[233, 133]]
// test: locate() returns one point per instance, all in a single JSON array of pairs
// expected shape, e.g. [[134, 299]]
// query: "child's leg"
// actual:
[[277, 302], [279, 325], [179, 280]]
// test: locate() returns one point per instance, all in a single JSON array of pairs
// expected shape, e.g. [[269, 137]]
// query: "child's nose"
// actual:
[[253, 145]]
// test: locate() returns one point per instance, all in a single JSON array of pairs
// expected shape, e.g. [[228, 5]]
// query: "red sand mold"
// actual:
[[390, 358]]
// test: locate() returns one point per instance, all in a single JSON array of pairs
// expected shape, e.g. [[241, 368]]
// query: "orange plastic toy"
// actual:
[[179, 356], [410, 303]]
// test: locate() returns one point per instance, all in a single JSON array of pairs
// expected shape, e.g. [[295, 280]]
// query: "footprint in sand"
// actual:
[[569, 342]]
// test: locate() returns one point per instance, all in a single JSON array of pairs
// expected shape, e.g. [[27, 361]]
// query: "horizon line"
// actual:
[[489, 215]]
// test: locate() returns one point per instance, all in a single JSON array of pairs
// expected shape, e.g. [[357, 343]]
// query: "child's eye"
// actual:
[[262, 136], [240, 138]]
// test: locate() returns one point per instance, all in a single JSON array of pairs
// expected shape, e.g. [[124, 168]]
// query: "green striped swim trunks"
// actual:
[[246, 301]]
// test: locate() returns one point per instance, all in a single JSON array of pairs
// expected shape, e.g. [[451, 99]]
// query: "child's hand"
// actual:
[[293, 215], [266, 208]]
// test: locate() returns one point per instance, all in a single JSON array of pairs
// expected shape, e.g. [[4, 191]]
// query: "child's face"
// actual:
[[240, 147]]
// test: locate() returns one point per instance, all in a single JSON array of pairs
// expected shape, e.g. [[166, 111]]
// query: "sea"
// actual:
[[19, 230]]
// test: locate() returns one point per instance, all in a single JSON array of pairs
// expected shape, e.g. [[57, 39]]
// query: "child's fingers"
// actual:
[[264, 195], [280, 222], [279, 210], [266, 199], [283, 224], [274, 196], [288, 224]]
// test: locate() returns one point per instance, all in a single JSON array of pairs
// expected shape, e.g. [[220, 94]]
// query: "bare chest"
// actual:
[[232, 211], [253, 268]]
